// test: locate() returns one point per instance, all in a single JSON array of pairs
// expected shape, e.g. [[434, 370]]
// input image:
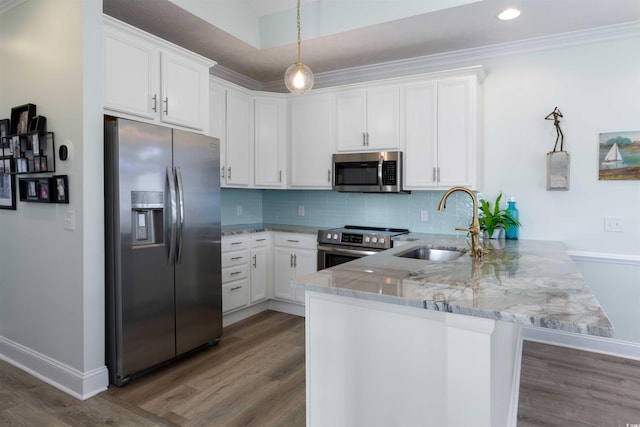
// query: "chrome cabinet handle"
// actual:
[[233, 273], [166, 106], [236, 243], [293, 241], [261, 240], [367, 139], [235, 258], [291, 260], [364, 139], [295, 260], [280, 176], [255, 262], [328, 175], [222, 172], [229, 172], [155, 103], [235, 288]]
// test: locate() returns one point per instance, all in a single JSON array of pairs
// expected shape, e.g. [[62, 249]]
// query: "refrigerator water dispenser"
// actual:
[[147, 218]]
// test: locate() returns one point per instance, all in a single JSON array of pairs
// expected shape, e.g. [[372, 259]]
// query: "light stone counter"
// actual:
[[526, 282], [234, 229]]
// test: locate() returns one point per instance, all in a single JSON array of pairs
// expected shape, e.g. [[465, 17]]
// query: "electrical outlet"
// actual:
[[239, 210], [300, 210], [613, 224], [70, 220], [424, 216]]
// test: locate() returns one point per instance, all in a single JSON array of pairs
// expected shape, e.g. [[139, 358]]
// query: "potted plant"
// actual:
[[492, 221]]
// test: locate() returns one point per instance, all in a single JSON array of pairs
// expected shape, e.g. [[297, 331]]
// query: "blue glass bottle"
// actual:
[[512, 232]]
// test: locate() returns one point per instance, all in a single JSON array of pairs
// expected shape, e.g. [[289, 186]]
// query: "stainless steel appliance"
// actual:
[[162, 216], [379, 172], [339, 245]]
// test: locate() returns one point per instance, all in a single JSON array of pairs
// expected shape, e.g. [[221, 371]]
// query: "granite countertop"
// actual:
[[529, 282], [230, 230]]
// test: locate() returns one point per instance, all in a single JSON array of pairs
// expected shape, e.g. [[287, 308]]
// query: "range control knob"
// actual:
[[381, 241], [367, 239], [335, 236], [374, 240], [328, 236]]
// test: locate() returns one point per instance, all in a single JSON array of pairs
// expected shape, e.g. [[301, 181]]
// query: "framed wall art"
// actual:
[[619, 155], [7, 184]]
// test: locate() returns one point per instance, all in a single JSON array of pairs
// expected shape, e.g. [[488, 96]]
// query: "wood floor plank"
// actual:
[[256, 377]]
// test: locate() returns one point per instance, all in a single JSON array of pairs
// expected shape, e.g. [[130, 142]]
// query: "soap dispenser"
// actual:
[[512, 232]]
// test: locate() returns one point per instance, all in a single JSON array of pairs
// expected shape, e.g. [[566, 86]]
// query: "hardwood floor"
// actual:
[[255, 377]]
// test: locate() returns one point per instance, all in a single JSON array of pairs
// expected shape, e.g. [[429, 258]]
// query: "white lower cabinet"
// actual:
[[260, 263], [294, 255], [235, 272]]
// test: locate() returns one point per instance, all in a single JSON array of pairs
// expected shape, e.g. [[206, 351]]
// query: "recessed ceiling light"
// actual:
[[508, 14]]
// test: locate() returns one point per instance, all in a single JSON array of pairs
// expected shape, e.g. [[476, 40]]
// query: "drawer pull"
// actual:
[[255, 261], [235, 288], [293, 241], [260, 240], [233, 273], [235, 258], [236, 243]]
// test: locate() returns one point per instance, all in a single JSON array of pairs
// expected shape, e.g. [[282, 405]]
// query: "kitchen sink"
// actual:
[[432, 254]]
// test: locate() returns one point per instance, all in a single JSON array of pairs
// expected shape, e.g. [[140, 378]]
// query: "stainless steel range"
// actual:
[[339, 245]]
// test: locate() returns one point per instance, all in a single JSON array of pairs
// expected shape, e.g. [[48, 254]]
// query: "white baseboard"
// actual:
[[245, 313], [81, 385], [612, 347], [297, 309]]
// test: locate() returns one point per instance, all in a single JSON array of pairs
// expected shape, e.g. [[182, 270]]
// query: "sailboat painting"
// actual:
[[619, 157]]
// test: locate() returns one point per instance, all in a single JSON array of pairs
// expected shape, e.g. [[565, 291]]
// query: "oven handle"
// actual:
[[339, 250]]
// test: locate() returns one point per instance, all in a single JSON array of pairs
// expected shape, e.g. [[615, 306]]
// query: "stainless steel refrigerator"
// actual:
[[162, 225]]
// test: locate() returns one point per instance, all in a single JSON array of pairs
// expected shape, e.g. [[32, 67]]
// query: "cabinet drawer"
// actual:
[[235, 258], [259, 240], [295, 240], [235, 273], [235, 295], [234, 243]]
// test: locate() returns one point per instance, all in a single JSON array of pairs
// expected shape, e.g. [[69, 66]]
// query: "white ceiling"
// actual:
[[447, 29]]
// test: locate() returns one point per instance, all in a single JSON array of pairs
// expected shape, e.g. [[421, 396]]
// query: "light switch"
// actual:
[[70, 220]]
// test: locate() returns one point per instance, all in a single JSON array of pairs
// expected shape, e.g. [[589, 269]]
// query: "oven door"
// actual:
[[332, 255]]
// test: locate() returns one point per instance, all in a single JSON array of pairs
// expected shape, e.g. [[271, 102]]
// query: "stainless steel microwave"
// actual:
[[379, 172]]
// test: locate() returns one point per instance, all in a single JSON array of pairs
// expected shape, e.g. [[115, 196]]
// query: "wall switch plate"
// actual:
[[613, 224], [424, 216], [300, 210], [239, 210], [70, 220]]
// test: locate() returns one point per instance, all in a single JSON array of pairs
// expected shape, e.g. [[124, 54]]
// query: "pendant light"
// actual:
[[298, 78]]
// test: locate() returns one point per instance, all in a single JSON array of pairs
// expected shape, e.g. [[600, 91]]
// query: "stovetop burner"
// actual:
[[360, 236]]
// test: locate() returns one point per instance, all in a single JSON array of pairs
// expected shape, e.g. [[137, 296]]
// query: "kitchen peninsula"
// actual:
[[402, 341]]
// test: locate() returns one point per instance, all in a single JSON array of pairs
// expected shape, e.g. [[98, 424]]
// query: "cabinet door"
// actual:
[[235, 295], [420, 136], [311, 142], [383, 118], [283, 273], [351, 120], [456, 144], [131, 70], [238, 143], [306, 262], [259, 274], [185, 94], [270, 142], [218, 122]]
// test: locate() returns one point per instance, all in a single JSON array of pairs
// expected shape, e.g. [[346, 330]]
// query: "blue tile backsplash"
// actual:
[[333, 209]]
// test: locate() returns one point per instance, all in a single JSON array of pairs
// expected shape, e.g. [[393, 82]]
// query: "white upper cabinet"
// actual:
[[270, 142], [150, 79], [441, 133], [368, 119], [310, 141], [239, 139]]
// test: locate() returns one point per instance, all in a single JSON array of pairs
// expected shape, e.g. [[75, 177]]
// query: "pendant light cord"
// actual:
[[298, 21]]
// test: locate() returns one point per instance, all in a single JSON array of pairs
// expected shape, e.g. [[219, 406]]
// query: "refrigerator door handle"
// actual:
[[180, 214], [173, 220]]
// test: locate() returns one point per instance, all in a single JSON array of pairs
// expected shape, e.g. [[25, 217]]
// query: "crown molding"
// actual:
[[236, 78], [444, 61]]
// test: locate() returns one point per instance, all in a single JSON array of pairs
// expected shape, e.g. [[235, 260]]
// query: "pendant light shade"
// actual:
[[298, 78]]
